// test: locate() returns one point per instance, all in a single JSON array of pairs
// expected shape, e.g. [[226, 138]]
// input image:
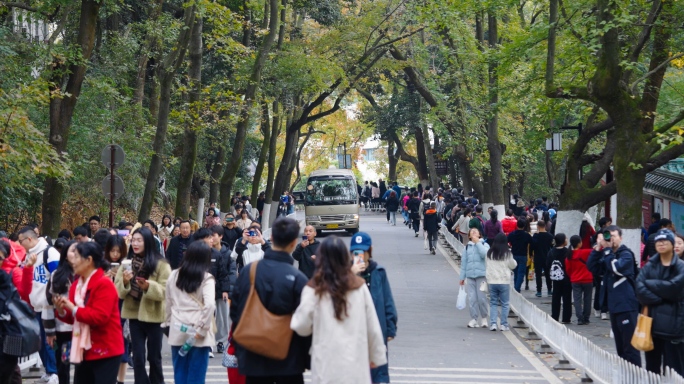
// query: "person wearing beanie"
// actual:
[[376, 279], [660, 290]]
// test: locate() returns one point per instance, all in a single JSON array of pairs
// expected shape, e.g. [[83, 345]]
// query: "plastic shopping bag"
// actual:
[[462, 296]]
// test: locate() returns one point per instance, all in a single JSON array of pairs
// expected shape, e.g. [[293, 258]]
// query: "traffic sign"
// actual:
[[107, 187], [117, 154]]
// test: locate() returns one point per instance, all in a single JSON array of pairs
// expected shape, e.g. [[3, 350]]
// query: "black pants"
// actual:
[[562, 290], [9, 370], [101, 371], [63, 339], [600, 295], [432, 239], [151, 334], [666, 353], [539, 270], [416, 224], [623, 325], [295, 379], [387, 212]]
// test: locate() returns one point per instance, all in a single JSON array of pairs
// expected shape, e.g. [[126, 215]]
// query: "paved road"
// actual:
[[433, 344]]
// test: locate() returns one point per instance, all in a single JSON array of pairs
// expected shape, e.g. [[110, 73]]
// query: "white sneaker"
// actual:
[[604, 316], [493, 327], [44, 378], [53, 379], [484, 323], [211, 354], [597, 313], [504, 328], [472, 324]]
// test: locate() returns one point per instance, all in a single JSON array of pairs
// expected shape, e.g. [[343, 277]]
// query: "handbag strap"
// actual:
[[252, 273]]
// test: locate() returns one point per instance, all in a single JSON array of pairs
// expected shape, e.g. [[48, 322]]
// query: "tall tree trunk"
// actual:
[[493, 143], [167, 71], [434, 178], [423, 174], [147, 47], [392, 160], [189, 157], [215, 175], [263, 154], [154, 97], [272, 145], [62, 106], [243, 121]]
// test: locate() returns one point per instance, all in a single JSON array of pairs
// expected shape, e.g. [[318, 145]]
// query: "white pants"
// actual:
[[477, 300]]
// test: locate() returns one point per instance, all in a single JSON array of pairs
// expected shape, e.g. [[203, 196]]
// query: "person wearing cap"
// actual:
[[660, 290], [376, 279]]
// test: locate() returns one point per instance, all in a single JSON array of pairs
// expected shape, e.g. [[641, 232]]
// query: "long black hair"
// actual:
[[196, 262], [333, 274], [499, 249], [115, 242], [151, 256], [585, 228], [63, 275], [92, 249], [494, 216]]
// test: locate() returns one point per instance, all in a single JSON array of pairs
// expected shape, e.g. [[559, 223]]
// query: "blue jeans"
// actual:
[[519, 276], [405, 215], [47, 355], [191, 368], [499, 293], [393, 217]]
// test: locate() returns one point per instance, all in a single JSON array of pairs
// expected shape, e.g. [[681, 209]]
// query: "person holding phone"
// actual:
[[615, 262], [250, 248], [114, 253], [92, 307], [143, 290], [305, 253], [378, 284]]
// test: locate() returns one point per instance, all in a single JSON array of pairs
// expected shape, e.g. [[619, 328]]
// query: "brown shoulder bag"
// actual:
[[260, 331]]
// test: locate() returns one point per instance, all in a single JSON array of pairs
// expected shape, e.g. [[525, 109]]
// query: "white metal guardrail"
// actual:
[[595, 363], [29, 361]]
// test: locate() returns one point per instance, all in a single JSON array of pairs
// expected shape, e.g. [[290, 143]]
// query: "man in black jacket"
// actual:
[[225, 271], [307, 248], [542, 242], [520, 242], [231, 232], [178, 245], [413, 206], [431, 225], [279, 286]]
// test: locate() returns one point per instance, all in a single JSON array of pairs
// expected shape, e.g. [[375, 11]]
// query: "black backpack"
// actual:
[[20, 328]]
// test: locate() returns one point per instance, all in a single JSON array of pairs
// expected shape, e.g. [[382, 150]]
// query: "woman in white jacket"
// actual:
[[337, 308], [499, 264], [190, 305]]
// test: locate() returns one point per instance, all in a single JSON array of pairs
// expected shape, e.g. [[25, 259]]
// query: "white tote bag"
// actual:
[[462, 296]]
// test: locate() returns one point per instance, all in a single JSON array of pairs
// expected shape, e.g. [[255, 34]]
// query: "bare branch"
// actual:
[[644, 35], [382, 22], [48, 16], [664, 157], [632, 88]]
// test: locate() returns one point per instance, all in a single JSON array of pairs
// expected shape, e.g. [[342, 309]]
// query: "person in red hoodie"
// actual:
[[509, 223], [16, 256], [93, 308], [581, 279]]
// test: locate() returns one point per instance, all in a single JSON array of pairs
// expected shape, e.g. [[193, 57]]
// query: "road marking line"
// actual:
[[464, 370], [522, 349]]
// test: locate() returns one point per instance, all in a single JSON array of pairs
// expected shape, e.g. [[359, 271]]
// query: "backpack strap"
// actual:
[[46, 256]]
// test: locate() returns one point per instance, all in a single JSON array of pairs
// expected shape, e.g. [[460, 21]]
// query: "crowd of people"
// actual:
[[105, 298], [594, 263]]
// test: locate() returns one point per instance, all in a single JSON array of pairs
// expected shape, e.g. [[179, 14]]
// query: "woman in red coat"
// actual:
[[93, 309]]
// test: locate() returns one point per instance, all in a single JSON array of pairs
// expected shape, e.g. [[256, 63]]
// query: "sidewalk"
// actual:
[[598, 331]]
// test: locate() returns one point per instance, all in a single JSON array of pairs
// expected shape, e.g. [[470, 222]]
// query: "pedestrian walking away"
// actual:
[[520, 242], [581, 279], [337, 308], [562, 288], [499, 264]]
